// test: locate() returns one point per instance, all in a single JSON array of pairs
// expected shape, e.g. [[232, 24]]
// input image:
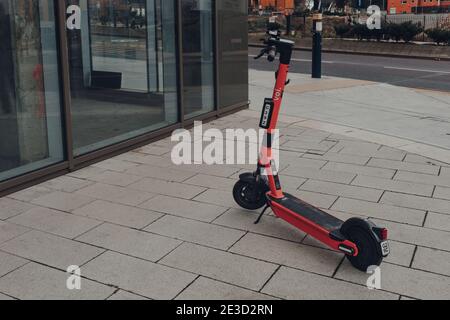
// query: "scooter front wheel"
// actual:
[[249, 196]]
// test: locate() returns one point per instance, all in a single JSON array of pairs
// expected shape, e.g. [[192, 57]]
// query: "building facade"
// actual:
[[418, 6], [83, 80], [278, 5]]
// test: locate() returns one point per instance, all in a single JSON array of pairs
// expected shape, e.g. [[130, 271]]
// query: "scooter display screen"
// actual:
[[267, 113]]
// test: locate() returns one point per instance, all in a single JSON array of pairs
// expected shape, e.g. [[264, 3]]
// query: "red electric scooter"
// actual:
[[360, 240]]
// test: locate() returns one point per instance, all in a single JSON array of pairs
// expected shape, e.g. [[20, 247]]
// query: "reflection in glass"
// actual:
[[30, 117], [198, 57], [122, 80], [233, 52]]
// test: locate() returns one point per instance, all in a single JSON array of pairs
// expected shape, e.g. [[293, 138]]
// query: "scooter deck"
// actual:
[[309, 212]]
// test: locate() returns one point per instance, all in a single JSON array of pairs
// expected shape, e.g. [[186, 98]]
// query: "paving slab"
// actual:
[[55, 222], [212, 182], [166, 174], [414, 158], [224, 171], [9, 231], [442, 193], [404, 166], [322, 175], [394, 185], [147, 159], [389, 154], [307, 145], [66, 184], [50, 250], [4, 297], [118, 214], [27, 195], [115, 194], [63, 201], [438, 221], [404, 281], [401, 253], [184, 208], [339, 157], [125, 296], [360, 170], [115, 178], [343, 190], [138, 276], [131, 242], [432, 260], [287, 253], [196, 232], [86, 173], [173, 189], [416, 202], [220, 265], [37, 282], [10, 208], [416, 235], [154, 150], [218, 197], [381, 211], [294, 284], [10, 263], [115, 165], [269, 225], [423, 178], [208, 289]]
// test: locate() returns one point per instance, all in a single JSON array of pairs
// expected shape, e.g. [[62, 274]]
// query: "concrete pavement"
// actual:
[[142, 228], [413, 120]]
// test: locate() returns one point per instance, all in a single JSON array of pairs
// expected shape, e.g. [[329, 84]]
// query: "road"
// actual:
[[412, 73]]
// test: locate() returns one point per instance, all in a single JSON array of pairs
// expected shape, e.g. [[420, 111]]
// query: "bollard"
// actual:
[[317, 46]]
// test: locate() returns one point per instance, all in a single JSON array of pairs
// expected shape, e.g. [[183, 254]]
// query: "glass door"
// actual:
[[122, 71], [198, 57]]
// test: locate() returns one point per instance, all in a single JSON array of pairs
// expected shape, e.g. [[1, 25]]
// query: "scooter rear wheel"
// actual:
[[249, 196], [368, 248]]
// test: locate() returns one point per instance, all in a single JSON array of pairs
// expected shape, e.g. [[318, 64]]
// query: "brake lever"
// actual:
[[262, 53]]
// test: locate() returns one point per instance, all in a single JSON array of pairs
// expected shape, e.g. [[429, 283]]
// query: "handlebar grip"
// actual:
[[271, 55]]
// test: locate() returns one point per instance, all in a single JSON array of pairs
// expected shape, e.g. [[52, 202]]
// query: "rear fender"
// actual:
[[248, 177]]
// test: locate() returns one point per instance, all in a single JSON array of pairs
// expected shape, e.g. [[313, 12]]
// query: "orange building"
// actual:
[[418, 6], [279, 5]]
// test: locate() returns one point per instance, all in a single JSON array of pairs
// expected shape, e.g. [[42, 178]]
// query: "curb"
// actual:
[[392, 55]]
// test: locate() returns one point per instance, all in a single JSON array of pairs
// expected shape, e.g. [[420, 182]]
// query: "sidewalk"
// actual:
[[412, 120], [142, 228]]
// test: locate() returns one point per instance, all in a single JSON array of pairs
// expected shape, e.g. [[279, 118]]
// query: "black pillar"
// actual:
[[317, 41]]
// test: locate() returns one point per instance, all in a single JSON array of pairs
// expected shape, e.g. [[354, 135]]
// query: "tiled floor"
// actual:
[[142, 228]]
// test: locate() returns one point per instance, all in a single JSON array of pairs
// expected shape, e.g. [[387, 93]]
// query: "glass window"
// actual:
[[122, 71], [233, 52], [198, 57], [30, 108]]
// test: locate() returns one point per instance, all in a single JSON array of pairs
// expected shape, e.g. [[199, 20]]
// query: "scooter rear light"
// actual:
[[384, 234]]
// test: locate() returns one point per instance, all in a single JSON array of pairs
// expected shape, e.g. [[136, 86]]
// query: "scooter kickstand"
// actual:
[[262, 214]]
